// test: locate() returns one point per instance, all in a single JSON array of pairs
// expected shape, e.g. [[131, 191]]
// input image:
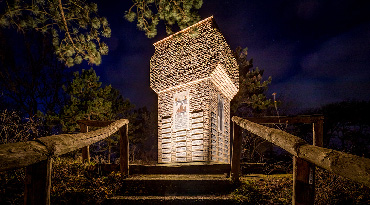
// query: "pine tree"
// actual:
[[88, 100], [148, 13], [77, 30], [75, 27], [251, 99]]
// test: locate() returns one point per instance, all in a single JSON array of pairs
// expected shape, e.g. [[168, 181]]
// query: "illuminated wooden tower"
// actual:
[[195, 76]]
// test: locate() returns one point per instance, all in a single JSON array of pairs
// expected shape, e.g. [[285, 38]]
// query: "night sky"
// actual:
[[316, 51]]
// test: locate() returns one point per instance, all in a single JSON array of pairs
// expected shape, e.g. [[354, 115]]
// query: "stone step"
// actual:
[[173, 168], [198, 199], [183, 168], [175, 185]]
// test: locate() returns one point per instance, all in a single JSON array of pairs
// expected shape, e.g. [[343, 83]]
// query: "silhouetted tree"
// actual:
[[251, 99], [347, 126], [88, 100]]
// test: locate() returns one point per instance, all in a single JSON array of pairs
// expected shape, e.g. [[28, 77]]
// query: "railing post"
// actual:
[[38, 183], [236, 152], [124, 151], [318, 133], [85, 150], [303, 182], [304, 172]]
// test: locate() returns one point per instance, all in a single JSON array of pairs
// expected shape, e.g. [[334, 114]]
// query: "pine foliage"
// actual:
[[74, 25], [148, 13], [88, 100], [251, 98]]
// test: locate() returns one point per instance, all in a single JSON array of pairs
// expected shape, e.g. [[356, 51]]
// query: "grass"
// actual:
[[78, 183], [264, 189]]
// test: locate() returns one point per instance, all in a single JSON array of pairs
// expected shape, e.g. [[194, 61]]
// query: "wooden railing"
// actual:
[[350, 166], [37, 155]]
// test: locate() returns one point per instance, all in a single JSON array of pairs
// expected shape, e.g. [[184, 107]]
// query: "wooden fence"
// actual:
[[37, 156], [350, 166]]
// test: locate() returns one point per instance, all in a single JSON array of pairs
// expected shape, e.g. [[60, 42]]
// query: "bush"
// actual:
[[72, 184], [12, 186]]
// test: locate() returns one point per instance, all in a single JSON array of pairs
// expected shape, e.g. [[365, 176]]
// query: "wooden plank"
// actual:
[[38, 183], [124, 151], [94, 123], [236, 152], [303, 187], [347, 165], [85, 150], [308, 119]]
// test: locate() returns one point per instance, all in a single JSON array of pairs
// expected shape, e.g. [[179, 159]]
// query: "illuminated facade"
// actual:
[[195, 77]]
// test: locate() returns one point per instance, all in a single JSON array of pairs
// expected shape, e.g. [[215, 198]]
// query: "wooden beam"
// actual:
[[85, 150], [38, 183], [124, 151], [347, 165], [236, 152], [308, 119], [21, 154], [94, 123]]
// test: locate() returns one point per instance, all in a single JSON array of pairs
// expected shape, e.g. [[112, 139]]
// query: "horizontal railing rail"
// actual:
[[22, 154], [37, 156], [343, 164]]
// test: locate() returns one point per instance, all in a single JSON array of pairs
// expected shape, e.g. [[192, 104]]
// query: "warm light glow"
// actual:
[[195, 77]]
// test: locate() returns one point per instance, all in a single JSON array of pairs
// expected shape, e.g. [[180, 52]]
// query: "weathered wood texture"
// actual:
[[21, 154], [124, 151], [303, 171], [94, 123], [350, 166], [38, 183], [236, 152]]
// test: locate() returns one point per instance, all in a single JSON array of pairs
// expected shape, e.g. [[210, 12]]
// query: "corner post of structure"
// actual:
[[124, 151], [236, 152], [85, 150], [38, 183]]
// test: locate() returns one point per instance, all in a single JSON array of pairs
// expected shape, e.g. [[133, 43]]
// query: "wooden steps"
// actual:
[[175, 168], [170, 200], [176, 184]]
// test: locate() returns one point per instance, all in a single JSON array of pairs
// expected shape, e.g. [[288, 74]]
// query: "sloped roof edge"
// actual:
[[183, 30]]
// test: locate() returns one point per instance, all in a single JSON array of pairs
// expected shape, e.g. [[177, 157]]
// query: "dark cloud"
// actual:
[[344, 55]]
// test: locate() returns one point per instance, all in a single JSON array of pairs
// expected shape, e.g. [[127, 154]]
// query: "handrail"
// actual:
[[347, 165], [22, 154]]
